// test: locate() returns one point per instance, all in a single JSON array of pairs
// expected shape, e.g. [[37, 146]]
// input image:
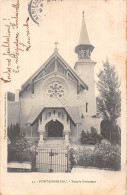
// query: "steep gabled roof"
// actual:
[[52, 58], [72, 111]]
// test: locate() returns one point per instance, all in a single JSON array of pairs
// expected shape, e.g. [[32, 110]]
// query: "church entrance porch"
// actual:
[[54, 124], [54, 129]]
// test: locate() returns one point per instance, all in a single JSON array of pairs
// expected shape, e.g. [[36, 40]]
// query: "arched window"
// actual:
[[86, 107]]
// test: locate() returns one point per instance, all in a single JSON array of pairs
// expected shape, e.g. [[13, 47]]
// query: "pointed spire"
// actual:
[[84, 48], [84, 39]]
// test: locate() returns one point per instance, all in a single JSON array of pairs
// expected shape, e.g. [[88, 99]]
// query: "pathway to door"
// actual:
[[53, 156]]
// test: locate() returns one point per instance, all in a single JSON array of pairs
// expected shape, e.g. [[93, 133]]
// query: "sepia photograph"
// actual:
[[63, 92]]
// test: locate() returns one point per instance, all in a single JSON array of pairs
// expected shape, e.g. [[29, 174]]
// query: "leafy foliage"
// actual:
[[109, 102], [13, 131], [19, 150], [90, 138], [72, 157], [102, 156], [116, 132]]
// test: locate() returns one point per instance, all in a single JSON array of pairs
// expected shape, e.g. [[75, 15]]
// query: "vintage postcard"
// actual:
[[63, 97]]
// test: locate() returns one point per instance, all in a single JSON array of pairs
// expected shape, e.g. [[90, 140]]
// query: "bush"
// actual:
[[116, 135], [90, 138], [107, 156], [19, 150], [102, 156], [72, 157], [87, 161], [115, 132]]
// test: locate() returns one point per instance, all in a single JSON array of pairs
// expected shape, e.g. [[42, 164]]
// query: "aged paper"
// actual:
[[31, 31]]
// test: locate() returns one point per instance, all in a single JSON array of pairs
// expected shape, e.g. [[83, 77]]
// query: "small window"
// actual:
[[85, 53], [32, 88], [46, 116], [86, 107], [67, 118], [62, 116], [41, 118], [59, 114]]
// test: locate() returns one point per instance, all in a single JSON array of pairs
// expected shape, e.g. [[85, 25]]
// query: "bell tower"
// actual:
[[84, 67]]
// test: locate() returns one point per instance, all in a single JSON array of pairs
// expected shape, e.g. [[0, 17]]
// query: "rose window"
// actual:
[[55, 90]]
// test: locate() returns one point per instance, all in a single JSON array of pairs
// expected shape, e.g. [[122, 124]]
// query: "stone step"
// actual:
[[54, 143], [57, 146]]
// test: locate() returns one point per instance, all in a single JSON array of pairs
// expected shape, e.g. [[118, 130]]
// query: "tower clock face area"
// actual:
[[55, 90]]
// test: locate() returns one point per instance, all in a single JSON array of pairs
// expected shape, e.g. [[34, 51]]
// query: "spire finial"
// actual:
[[83, 13], [56, 43]]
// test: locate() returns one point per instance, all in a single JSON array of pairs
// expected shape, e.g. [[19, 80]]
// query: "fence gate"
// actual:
[[52, 160]]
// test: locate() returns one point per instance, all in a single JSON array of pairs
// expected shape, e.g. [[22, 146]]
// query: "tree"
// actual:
[[13, 131], [109, 101]]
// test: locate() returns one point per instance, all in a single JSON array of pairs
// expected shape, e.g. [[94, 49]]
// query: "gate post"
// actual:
[[41, 141], [67, 138]]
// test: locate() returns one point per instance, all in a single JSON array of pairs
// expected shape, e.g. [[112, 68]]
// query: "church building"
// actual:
[[57, 102]]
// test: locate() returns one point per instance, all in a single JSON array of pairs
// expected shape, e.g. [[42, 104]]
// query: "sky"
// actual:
[[61, 21]]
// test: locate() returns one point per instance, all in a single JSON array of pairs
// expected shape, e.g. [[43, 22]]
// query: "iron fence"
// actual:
[[52, 160]]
